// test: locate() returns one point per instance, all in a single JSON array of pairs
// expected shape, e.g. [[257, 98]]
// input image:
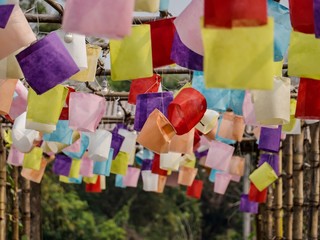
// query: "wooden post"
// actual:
[[269, 213], [278, 202], [15, 225], [25, 206], [314, 193], [35, 200], [288, 159], [3, 180], [298, 185]]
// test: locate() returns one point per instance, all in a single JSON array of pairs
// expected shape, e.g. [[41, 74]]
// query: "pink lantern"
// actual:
[[187, 175], [19, 102], [221, 182], [132, 177], [15, 157], [219, 156]]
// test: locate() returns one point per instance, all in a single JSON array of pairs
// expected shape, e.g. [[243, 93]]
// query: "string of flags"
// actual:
[[235, 49]]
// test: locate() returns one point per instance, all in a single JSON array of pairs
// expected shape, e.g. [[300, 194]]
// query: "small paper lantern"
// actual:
[[132, 57], [147, 103], [188, 26], [91, 180], [118, 14], [23, 138], [316, 13], [62, 165], [146, 165], [162, 33], [78, 148], [272, 160], [230, 13], [19, 102], [187, 175], [263, 176], [10, 68], [150, 181], [232, 127], [208, 121], [99, 145], [62, 134], [288, 127], [129, 144], [156, 133], [75, 168], [34, 175], [164, 5], [172, 180], [182, 143], [248, 110], [147, 6], [170, 161], [247, 206], [44, 110], [143, 85], [256, 196], [132, 177], [221, 183], [195, 189], [94, 187], [5, 12], [16, 34], [247, 47], [86, 168], [99, 168], [186, 110], [276, 101], [15, 157], [282, 28], [120, 164], [116, 143], [86, 111], [156, 166], [7, 88], [76, 46], [89, 74], [32, 160], [46, 63], [270, 139], [301, 15], [237, 165], [161, 183], [308, 102], [219, 99], [303, 55], [219, 156], [119, 181], [213, 173], [185, 57]]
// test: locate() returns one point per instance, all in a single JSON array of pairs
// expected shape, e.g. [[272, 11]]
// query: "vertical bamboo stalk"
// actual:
[[25, 205], [35, 200], [15, 227], [3, 180], [314, 193], [269, 213], [246, 185], [278, 202], [298, 186], [288, 159]]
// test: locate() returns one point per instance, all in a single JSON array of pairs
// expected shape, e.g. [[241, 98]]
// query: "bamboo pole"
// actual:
[[25, 205], [15, 227], [278, 202], [269, 213], [3, 180], [35, 200], [298, 186], [288, 159], [314, 193]]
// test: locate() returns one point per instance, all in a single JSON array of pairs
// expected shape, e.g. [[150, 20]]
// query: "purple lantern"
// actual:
[[5, 13], [116, 143], [185, 57], [146, 165], [62, 165], [148, 102], [247, 206], [46, 63], [272, 159], [270, 139]]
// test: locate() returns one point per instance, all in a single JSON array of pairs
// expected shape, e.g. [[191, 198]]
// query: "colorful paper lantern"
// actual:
[[187, 175], [156, 133], [147, 103], [86, 168], [183, 143], [256, 196], [270, 139], [219, 156], [118, 14], [232, 127], [94, 187], [272, 160], [131, 57], [46, 63], [186, 110], [86, 111], [221, 183], [156, 166], [62, 165], [247, 206], [99, 145], [15, 157], [195, 189], [62, 134], [120, 164], [170, 161], [34, 175], [19, 102], [150, 181], [237, 166], [7, 88], [301, 15], [208, 121], [132, 177], [263, 176]]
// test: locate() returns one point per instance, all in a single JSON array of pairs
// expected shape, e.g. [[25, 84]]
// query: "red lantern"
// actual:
[[94, 187], [195, 189], [156, 166], [256, 196], [301, 15]]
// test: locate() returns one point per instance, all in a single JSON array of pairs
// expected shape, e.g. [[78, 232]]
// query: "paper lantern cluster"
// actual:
[[234, 48]]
